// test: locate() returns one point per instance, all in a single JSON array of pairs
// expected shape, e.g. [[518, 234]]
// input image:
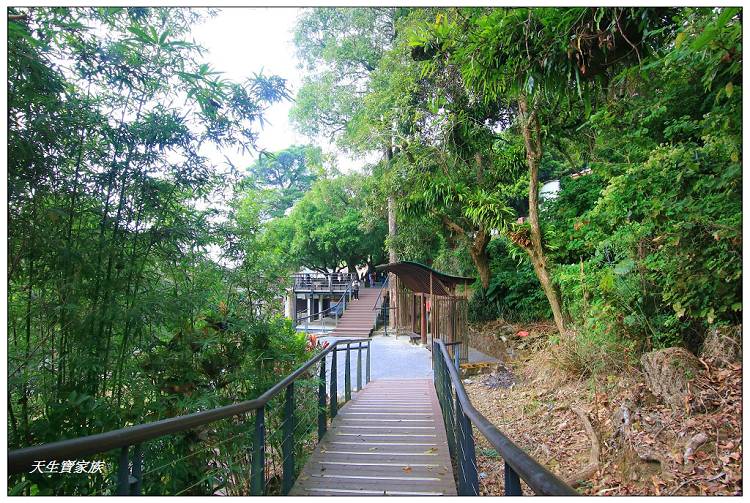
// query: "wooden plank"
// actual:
[[389, 440]]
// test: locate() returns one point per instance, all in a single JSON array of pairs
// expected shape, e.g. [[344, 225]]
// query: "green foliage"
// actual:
[[514, 293], [290, 172], [326, 230], [648, 245], [657, 228], [120, 308], [573, 238], [645, 248], [339, 48]]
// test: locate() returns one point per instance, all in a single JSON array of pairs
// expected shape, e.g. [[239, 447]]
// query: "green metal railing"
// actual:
[[258, 455], [460, 418]]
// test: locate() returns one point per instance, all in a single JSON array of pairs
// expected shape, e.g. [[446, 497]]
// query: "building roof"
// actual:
[[416, 277]]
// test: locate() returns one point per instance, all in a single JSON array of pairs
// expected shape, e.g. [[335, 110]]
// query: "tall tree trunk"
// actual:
[[392, 255], [478, 252], [532, 135]]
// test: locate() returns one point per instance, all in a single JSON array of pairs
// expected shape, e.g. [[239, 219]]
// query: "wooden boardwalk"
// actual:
[[388, 440], [359, 318]]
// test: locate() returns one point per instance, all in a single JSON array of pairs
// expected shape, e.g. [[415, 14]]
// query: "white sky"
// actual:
[[240, 41]]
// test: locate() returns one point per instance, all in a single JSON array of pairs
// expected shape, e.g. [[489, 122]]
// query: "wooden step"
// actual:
[[389, 440]]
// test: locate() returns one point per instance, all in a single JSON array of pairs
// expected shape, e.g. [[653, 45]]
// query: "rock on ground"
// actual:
[[669, 373]]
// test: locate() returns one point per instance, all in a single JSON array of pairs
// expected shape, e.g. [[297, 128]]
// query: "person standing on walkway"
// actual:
[[355, 289]]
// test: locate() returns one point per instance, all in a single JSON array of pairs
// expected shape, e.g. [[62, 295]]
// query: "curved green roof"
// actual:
[[416, 277]]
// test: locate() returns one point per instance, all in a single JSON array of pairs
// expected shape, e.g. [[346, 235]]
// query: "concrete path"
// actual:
[[389, 359]]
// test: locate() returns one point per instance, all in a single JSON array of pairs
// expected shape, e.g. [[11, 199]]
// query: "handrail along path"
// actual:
[[129, 477], [460, 417]]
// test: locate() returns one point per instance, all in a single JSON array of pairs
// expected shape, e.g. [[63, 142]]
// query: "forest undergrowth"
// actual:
[[606, 433]]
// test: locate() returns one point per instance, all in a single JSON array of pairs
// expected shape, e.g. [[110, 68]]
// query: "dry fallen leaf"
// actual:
[[407, 469]]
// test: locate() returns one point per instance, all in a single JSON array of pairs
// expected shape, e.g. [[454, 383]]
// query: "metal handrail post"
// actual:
[[451, 429], [135, 487], [468, 454], [512, 482], [460, 453], [348, 375], [450, 416], [322, 400], [359, 367], [436, 376], [385, 321], [258, 466], [367, 377], [334, 384], [287, 442], [123, 473]]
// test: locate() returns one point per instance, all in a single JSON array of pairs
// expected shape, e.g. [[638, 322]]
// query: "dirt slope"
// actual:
[[645, 447]]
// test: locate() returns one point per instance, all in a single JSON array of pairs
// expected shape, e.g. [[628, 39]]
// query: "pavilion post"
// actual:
[[423, 320], [432, 307]]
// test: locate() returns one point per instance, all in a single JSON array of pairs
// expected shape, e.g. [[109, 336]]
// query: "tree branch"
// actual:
[[453, 226]]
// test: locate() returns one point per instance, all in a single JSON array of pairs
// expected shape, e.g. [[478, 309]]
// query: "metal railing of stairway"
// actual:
[[129, 477], [334, 308], [460, 416], [323, 282], [383, 316]]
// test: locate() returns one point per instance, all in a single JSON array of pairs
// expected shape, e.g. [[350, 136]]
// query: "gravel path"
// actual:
[[389, 359]]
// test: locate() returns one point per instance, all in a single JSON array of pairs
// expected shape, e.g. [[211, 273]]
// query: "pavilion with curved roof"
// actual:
[[426, 303]]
